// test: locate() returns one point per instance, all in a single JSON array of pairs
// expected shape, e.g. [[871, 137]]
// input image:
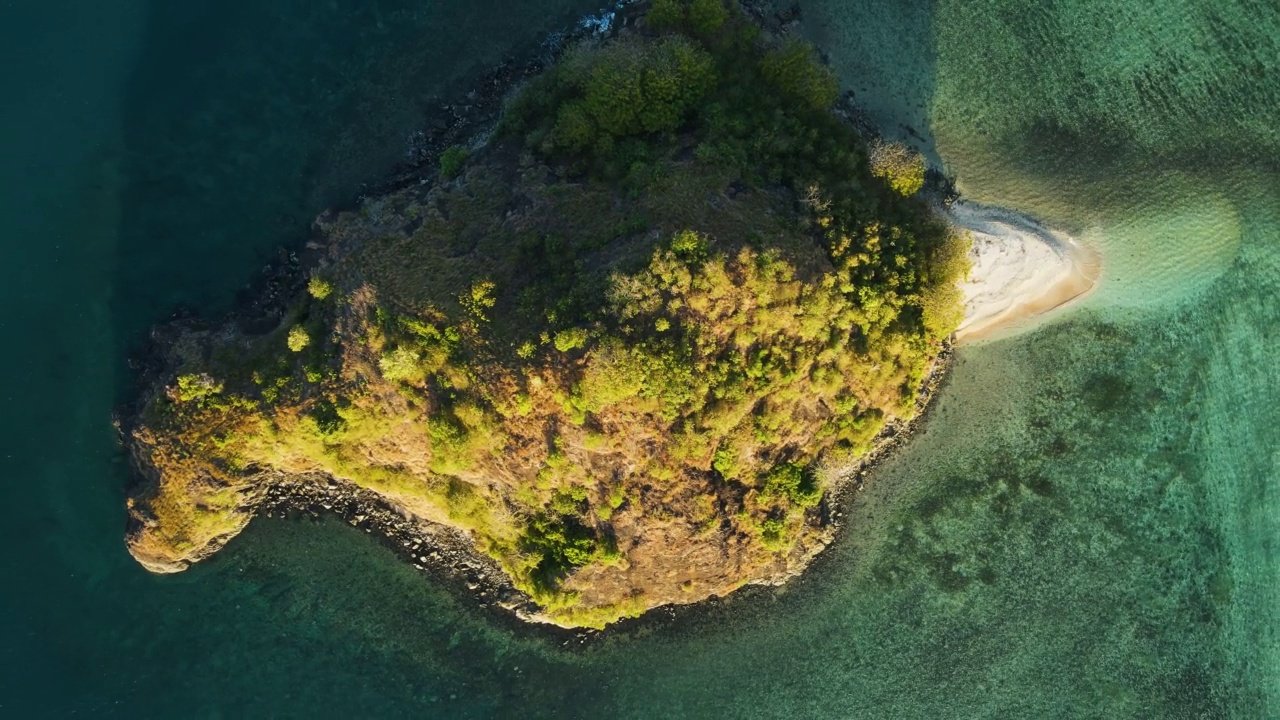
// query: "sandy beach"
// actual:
[[1021, 270]]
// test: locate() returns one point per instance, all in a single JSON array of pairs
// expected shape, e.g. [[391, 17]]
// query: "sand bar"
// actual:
[[1021, 270]]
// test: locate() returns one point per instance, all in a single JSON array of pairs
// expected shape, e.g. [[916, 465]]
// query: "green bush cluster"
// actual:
[[400, 365], [666, 14], [194, 388], [794, 71], [418, 348], [560, 543], [298, 338], [478, 299], [319, 288], [773, 534], [452, 160], [328, 420], [571, 339], [700, 17], [790, 482], [597, 99], [899, 165]]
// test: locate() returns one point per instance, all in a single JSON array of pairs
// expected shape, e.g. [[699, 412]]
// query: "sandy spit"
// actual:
[[1021, 271]]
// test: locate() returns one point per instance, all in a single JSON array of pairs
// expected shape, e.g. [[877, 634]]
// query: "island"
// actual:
[[619, 353]]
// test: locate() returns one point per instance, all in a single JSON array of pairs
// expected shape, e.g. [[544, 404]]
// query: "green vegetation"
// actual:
[[195, 388], [899, 165], [702, 18], [666, 14], [452, 160], [319, 288], [596, 100], [614, 350], [793, 70], [790, 482], [560, 543], [298, 339]]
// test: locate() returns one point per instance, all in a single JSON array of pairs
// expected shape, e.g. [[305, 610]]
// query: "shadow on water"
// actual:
[[245, 120], [883, 52]]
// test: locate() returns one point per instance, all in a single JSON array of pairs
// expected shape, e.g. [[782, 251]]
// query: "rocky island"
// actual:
[[621, 352]]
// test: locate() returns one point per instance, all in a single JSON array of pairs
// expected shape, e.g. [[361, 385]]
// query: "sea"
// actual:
[[1087, 525]]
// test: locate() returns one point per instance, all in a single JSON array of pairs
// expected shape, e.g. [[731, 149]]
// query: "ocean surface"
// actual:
[[1088, 525]]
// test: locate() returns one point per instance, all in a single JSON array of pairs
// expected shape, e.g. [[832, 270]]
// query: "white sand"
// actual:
[[1021, 271]]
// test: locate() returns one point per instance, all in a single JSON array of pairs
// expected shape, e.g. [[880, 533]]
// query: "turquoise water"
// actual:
[[1086, 527]]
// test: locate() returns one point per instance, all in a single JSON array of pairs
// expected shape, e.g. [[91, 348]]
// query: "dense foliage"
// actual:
[[452, 160], [899, 165], [671, 292]]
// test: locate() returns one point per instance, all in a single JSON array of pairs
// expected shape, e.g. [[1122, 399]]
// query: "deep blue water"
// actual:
[[1086, 528]]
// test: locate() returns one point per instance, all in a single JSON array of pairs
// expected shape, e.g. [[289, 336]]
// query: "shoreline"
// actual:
[[448, 553], [448, 556], [1021, 271]]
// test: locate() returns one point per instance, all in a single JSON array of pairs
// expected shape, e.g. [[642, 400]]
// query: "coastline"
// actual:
[[446, 552], [1021, 271]]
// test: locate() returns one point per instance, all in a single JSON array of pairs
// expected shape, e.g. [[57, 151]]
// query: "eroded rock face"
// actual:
[[621, 390]]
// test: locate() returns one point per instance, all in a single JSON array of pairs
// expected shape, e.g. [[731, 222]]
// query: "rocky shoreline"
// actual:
[[448, 555], [440, 550], [445, 552]]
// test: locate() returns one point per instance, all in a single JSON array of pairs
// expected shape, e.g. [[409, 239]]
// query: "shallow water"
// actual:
[[1086, 527]]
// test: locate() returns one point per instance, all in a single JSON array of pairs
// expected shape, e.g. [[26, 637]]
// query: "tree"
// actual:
[[452, 160], [634, 89], [899, 165], [298, 339], [795, 71], [319, 288], [707, 16], [665, 14]]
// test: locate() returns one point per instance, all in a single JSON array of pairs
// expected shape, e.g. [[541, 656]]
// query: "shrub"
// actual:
[[560, 543], [319, 288], [575, 130], [773, 534], [790, 481], [941, 309], [328, 421], [298, 339], [689, 246], [194, 387], [899, 165], [463, 502], [479, 299], [452, 160], [666, 14], [571, 339], [446, 432], [725, 461], [707, 16], [701, 17], [608, 553], [400, 365], [522, 404], [568, 501], [795, 71], [634, 88], [612, 375]]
